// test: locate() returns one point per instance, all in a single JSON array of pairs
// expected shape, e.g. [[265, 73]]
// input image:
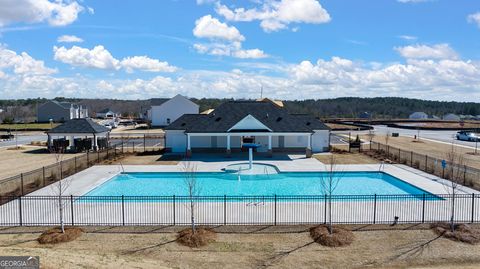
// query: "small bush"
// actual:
[[462, 232], [55, 235], [339, 237], [201, 237]]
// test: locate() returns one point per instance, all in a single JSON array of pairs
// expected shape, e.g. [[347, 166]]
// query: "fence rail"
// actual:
[[429, 164], [238, 210], [30, 181]]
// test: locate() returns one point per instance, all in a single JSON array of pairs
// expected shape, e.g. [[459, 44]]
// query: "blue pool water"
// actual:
[[219, 184]]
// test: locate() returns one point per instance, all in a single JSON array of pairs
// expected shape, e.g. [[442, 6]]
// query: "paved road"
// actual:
[[23, 139]]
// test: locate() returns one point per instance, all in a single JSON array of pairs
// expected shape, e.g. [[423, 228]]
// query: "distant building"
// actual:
[[451, 117], [106, 113], [60, 111], [418, 116], [164, 111]]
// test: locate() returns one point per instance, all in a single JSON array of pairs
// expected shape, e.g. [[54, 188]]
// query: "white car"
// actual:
[[108, 126], [467, 136]]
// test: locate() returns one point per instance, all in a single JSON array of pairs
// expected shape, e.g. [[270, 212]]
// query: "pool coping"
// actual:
[[87, 180]]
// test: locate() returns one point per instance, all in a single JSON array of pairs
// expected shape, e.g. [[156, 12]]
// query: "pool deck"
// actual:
[[87, 180]]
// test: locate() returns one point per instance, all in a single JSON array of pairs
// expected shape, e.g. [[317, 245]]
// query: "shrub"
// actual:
[[462, 232]]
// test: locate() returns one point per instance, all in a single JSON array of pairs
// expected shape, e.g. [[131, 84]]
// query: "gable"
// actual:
[[249, 123]]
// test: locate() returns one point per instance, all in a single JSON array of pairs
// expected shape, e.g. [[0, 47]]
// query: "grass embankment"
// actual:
[[402, 246], [27, 126]]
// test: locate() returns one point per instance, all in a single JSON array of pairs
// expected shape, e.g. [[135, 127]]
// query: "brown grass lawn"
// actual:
[[14, 162], [243, 247], [346, 158], [434, 149]]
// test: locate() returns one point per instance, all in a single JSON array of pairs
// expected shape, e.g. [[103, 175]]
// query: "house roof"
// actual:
[[158, 101], [75, 126], [230, 113]]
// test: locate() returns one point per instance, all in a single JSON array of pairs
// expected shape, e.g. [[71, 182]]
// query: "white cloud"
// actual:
[[233, 49], [56, 13], [145, 63], [98, 57], [212, 28], [69, 39], [250, 54], [101, 58], [474, 18], [22, 64], [202, 2], [439, 51], [277, 15], [408, 37]]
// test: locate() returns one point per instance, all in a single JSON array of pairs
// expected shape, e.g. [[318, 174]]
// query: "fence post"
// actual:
[[123, 210], [224, 209], [411, 158], [325, 213], [464, 174], [174, 210], [75, 161], [399, 156], [61, 170], [275, 210], [107, 153], [473, 207], [443, 172], [144, 141], [423, 209], [122, 145], [374, 208], [98, 156], [21, 182], [88, 161], [133, 146], [426, 163], [71, 207], [115, 151], [20, 210], [43, 173]]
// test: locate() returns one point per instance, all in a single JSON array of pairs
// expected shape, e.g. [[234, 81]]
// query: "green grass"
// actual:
[[27, 126]]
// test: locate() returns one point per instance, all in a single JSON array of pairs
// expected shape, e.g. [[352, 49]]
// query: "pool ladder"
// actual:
[[381, 168]]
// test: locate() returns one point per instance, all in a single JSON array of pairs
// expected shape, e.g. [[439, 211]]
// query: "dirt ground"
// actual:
[[14, 162], [433, 149], [346, 158], [250, 247]]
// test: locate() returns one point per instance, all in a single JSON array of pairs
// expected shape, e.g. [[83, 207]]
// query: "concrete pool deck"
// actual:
[[87, 180], [40, 208]]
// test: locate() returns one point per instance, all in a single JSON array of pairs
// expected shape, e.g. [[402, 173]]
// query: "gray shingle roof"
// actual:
[[228, 114], [87, 126]]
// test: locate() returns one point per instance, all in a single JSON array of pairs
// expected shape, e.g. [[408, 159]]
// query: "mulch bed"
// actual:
[[201, 237], [55, 235], [462, 232], [340, 237]]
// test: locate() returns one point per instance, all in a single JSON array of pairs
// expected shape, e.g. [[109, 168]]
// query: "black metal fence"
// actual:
[[30, 181], [238, 210], [429, 164]]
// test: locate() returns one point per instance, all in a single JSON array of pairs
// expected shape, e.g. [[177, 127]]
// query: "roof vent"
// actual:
[[267, 115], [218, 119], [279, 119], [183, 124], [308, 123]]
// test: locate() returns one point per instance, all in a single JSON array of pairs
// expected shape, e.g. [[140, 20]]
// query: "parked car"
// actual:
[[108, 126], [467, 136]]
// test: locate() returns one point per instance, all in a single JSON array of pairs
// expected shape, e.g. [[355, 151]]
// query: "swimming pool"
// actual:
[[282, 184]]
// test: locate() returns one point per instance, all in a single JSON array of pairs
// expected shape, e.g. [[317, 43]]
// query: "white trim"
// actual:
[[249, 117], [247, 134]]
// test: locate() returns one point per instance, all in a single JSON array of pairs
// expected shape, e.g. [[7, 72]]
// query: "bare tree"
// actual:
[[193, 188], [455, 173], [371, 135], [329, 182], [387, 137], [61, 186]]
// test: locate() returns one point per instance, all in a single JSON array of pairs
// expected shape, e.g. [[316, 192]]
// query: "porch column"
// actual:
[[189, 150], [71, 142], [229, 150], [95, 142], [308, 151], [49, 141], [270, 145]]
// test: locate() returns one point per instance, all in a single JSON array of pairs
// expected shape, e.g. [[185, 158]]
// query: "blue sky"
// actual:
[[294, 49]]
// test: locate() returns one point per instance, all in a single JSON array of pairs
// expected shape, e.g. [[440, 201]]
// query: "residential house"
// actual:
[[451, 117], [418, 116], [106, 113], [164, 111], [60, 111], [234, 123]]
